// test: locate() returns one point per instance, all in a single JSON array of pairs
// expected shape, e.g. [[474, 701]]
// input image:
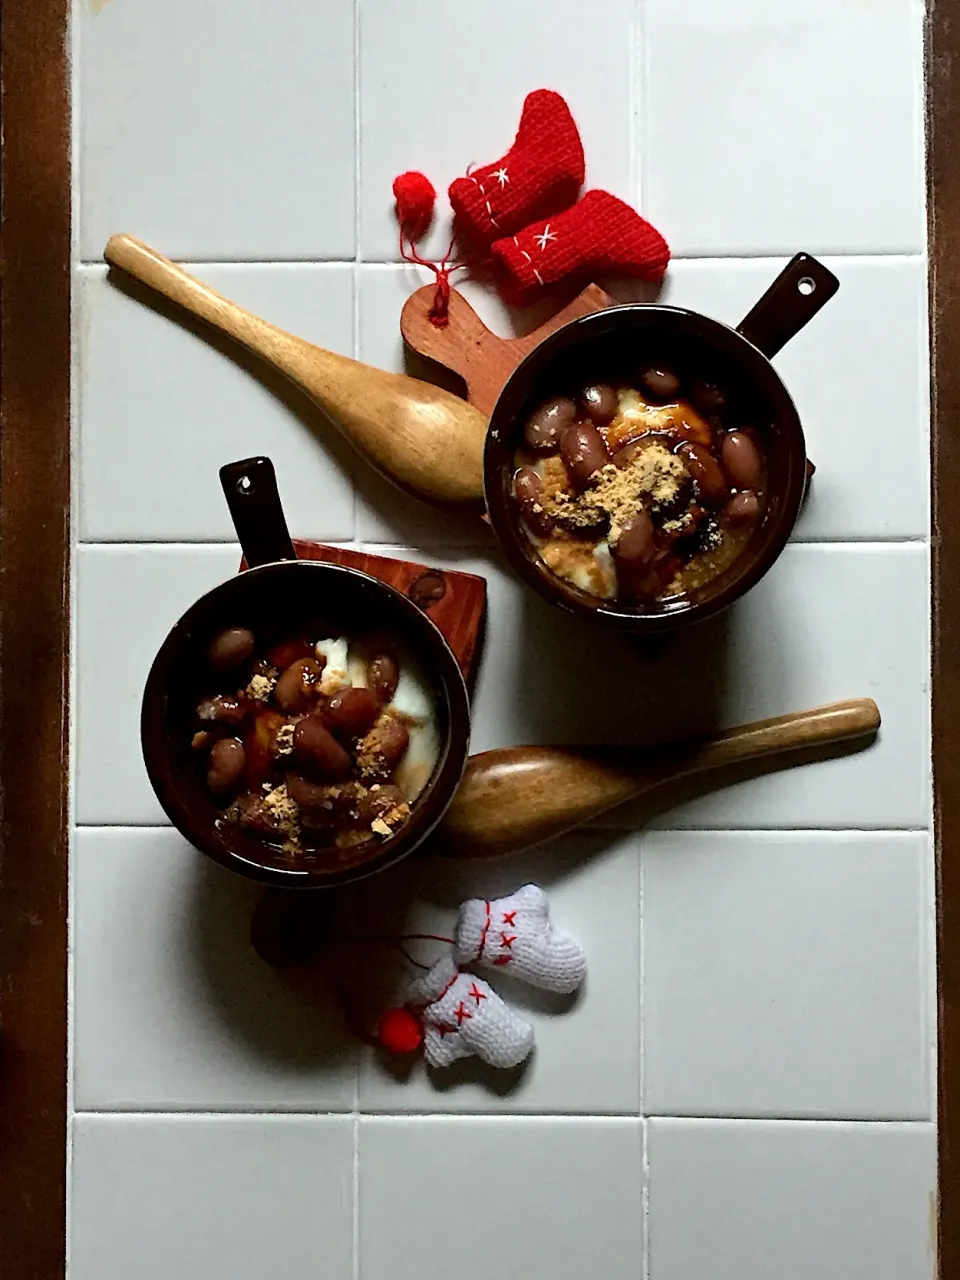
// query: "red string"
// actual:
[[395, 937], [439, 312], [395, 940], [347, 1004]]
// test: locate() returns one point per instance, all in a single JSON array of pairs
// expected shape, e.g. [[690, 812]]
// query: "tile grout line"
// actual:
[[645, 1198], [510, 1117], [765, 255], [642, 1053], [640, 105], [641, 979], [355, 1207], [357, 172], [635, 92]]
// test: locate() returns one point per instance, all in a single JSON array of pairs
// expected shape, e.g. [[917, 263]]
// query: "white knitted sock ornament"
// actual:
[[514, 934], [462, 1016]]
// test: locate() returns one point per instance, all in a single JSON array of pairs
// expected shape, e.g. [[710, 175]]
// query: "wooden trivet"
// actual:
[[466, 346], [480, 357], [455, 602]]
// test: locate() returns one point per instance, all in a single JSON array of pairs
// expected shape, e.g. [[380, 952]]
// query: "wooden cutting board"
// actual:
[[480, 357], [456, 602], [467, 347]]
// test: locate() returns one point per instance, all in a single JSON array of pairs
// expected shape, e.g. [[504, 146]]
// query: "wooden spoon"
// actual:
[[421, 437], [515, 797]]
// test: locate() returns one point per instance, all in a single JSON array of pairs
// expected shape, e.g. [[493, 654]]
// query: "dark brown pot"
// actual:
[[279, 586], [738, 359]]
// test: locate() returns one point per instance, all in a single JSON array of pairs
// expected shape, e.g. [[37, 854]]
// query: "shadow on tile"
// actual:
[[291, 1016], [577, 684], [496, 1081], [424, 894]]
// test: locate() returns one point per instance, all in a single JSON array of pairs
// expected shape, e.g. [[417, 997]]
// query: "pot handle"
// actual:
[[795, 297], [250, 488]]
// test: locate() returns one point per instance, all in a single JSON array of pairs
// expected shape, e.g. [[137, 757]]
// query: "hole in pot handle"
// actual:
[[795, 297], [250, 488]]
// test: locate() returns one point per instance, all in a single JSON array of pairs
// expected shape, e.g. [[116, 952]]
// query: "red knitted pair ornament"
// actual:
[[523, 210], [541, 174], [599, 236]]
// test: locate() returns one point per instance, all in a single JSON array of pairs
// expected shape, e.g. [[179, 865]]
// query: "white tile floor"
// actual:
[[744, 1088]]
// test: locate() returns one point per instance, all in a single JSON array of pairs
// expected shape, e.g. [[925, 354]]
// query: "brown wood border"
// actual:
[[34, 631], [34, 618], [943, 192]]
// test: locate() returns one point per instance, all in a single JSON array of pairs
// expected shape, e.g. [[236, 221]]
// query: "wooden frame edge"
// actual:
[[34, 619], [35, 221], [943, 194]]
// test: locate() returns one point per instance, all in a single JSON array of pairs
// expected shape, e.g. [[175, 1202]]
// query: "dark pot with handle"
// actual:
[[278, 592], [739, 359]]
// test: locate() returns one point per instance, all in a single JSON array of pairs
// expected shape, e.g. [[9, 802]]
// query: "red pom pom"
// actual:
[[400, 1031], [415, 196]]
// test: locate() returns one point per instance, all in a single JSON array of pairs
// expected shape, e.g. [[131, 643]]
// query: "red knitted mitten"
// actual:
[[542, 173], [600, 235]]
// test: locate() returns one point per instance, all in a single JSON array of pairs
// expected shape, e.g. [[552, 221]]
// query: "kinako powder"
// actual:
[[653, 477]]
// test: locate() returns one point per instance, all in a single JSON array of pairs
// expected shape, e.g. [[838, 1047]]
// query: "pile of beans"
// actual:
[[267, 725], [691, 417]]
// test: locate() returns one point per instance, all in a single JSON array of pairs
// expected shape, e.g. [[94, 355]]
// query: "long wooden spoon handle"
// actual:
[[515, 797], [823, 726], [283, 350], [426, 440]]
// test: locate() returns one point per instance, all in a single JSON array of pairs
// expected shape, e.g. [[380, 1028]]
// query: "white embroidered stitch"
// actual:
[[486, 202], [530, 260]]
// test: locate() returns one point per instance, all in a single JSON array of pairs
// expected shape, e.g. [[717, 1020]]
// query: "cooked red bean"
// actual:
[[633, 556], [635, 546], [384, 675], [599, 403], [742, 508], [254, 817], [227, 761], [230, 648], [705, 470], [584, 452], [383, 748], [374, 804], [351, 712], [707, 396], [201, 739], [325, 810], [310, 794], [741, 460], [643, 583], [627, 452], [222, 710], [660, 383], [528, 488], [315, 747], [258, 745], [287, 652], [298, 687], [544, 427]]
